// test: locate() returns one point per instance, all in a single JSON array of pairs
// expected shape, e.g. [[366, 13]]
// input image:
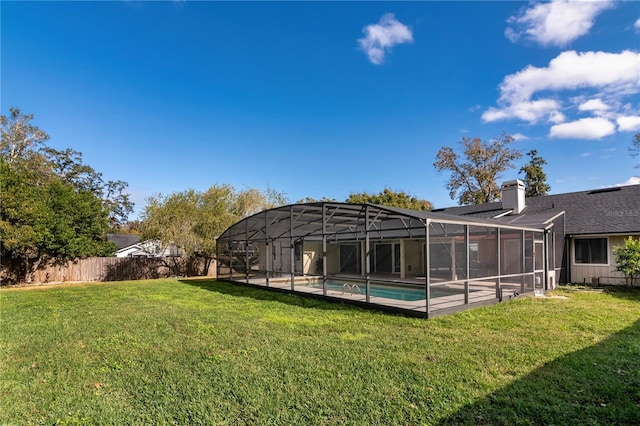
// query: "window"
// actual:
[[591, 250], [386, 258], [350, 258]]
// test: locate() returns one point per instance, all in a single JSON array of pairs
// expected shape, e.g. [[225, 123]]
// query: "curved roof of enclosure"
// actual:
[[343, 221]]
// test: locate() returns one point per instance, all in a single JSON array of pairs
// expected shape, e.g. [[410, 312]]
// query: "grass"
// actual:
[[206, 352]]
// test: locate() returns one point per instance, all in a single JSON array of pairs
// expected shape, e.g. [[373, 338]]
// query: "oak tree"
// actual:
[[476, 169]]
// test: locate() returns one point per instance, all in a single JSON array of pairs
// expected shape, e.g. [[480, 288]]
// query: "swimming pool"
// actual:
[[377, 290]]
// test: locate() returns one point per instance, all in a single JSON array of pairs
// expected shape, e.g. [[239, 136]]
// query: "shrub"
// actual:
[[628, 259]]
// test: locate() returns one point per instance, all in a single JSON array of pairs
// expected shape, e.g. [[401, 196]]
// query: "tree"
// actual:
[[19, 138], [635, 148], [390, 198], [628, 259], [54, 207], [475, 172], [535, 179], [314, 200], [192, 220], [131, 227], [68, 166], [46, 220]]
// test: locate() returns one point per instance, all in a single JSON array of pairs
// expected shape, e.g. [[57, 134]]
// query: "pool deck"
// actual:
[[481, 293]]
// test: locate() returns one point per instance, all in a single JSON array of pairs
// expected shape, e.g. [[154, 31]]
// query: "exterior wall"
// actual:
[[262, 255], [127, 251], [311, 254], [333, 259], [413, 258], [148, 249], [583, 273], [281, 256]]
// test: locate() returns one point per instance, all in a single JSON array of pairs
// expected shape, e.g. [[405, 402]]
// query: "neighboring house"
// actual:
[[595, 221], [149, 248]]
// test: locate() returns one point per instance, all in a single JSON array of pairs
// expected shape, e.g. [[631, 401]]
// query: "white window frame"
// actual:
[[573, 250]]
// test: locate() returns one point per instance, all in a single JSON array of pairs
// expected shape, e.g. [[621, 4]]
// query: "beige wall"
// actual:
[[608, 275], [413, 256], [311, 252], [333, 259], [262, 255]]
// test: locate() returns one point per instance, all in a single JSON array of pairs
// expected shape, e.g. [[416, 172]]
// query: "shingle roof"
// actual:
[[598, 211], [123, 240]]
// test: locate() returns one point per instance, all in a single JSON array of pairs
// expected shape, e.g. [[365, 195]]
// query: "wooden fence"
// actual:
[[108, 269]]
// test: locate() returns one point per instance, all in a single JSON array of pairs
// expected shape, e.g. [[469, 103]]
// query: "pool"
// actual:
[[377, 290]]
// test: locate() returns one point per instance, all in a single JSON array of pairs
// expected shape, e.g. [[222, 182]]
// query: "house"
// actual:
[[425, 263], [595, 221], [148, 248], [432, 262]]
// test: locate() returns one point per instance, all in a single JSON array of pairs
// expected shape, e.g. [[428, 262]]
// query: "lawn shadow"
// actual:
[[624, 292], [619, 291], [270, 294], [596, 385]]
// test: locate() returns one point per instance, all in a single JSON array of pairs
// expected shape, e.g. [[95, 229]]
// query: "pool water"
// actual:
[[376, 290]]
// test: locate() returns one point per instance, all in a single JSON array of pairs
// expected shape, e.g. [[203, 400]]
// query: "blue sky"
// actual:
[[325, 98]]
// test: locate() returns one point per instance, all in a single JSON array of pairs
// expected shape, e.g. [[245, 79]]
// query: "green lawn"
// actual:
[[205, 352]]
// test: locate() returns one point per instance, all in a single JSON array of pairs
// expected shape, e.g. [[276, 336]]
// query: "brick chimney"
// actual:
[[513, 196]]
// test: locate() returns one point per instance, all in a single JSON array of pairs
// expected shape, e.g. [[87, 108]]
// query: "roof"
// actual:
[[123, 240], [344, 221], [613, 210]]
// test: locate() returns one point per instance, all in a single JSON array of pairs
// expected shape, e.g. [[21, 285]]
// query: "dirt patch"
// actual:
[[551, 296], [42, 286]]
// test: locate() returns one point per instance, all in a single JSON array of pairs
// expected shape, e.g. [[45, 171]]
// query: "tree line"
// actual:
[[54, 208]]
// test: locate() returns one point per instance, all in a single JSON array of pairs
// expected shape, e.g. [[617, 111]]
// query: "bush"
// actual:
[[628, 259]]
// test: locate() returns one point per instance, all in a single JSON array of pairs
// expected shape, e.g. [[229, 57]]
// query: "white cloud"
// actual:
[[556, 23], [534, 93], [593, 105], [586, 154], [381, 37], [628, 123], [519, 137], [637, 24], [572, 70], [633, 180], [531, 111], [585, 128]]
